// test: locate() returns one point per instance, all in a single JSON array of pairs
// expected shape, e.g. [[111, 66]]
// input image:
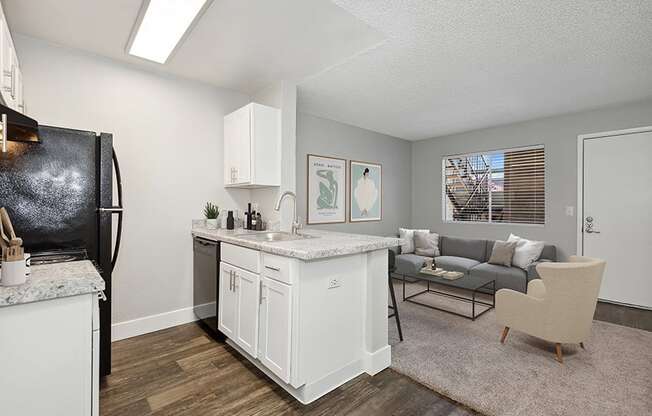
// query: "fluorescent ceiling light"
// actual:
[[162, 26]]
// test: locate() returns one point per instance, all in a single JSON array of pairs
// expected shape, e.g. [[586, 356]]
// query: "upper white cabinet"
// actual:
[[252, 147], [11, 84]]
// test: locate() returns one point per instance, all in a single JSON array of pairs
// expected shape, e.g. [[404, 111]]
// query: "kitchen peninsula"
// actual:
[[309, 310]]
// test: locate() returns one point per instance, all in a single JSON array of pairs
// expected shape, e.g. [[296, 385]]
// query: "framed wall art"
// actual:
[[326, 190], [366, 189]]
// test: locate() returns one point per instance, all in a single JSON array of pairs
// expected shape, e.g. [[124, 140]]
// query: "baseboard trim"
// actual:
[[153, 323], [375, 362]]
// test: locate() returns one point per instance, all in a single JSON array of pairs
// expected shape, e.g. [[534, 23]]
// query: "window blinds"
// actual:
[[506, 186]]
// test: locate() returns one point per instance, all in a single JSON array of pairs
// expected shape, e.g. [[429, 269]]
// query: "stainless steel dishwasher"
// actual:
[[206, 277]]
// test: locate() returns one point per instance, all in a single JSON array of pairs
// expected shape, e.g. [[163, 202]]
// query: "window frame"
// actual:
[[489, 153]]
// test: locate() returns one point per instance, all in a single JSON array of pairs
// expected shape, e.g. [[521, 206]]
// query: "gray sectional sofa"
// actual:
[[470, 256]]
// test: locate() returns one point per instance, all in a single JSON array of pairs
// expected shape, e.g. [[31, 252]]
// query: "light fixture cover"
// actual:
[[162, 26]]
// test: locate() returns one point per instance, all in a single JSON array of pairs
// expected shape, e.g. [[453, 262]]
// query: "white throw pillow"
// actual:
[[408, 239], [526, 252]]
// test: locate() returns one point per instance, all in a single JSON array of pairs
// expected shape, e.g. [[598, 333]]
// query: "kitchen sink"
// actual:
[[274, 236]]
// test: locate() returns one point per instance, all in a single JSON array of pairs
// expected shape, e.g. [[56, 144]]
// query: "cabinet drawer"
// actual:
[[277, 268], [244, 258]]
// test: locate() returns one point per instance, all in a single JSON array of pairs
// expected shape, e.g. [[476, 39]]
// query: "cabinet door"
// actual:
[[276, 335], [247, 288], [227, 310], [8, 70], [243, 145], [230, 133]]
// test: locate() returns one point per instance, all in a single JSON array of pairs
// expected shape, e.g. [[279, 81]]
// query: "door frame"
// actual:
[[580, 175]]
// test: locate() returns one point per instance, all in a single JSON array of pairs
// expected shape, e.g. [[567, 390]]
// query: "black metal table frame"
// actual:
[[472, 300]]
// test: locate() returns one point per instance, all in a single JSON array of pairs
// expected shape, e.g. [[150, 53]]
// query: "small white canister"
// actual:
[[14, 272]]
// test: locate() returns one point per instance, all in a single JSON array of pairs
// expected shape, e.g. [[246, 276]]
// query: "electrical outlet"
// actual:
[[333, 283]]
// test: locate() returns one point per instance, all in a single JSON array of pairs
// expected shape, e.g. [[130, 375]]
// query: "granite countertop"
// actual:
[[52, 281], [325, 244]]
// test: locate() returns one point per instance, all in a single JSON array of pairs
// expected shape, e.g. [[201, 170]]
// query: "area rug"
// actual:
[[464, 360]]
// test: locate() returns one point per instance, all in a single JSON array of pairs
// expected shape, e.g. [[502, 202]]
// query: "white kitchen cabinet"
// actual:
[[247, 286], [227, 320], [11, 86], [252, 147], [49, 361], [238, 306], [275, 327]]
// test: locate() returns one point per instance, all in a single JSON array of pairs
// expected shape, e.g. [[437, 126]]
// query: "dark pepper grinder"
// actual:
[[230, 223]]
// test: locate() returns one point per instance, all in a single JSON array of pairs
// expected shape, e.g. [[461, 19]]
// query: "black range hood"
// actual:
[[17, 127]]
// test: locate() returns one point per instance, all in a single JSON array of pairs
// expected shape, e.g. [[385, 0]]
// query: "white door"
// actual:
[[227, 313], [275, 315], [617, 213], [247, 286]]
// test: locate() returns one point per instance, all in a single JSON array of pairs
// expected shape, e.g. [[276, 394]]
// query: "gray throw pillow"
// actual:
[[502, 253], [426, 243]]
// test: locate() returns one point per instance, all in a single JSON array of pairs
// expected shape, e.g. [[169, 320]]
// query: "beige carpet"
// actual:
[[465, 361]]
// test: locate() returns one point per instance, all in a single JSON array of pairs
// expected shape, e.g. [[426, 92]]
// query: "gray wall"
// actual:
[[558, 134], [329, 138]]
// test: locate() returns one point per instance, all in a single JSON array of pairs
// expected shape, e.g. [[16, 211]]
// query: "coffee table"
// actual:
[[466, 283]]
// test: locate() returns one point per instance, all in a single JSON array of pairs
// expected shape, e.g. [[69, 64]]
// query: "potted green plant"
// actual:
[[211, 212]]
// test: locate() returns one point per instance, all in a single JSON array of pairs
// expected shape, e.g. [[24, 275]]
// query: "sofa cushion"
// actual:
[[502, 253], [426, 243], [463, 247], [549, 251], [506, 277], [409, 264], [456, 264]]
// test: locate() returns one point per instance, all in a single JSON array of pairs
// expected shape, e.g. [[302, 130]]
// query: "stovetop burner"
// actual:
[[58, 256]]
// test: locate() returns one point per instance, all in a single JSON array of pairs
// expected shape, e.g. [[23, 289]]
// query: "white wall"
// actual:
[[281, 95], [167, 133]]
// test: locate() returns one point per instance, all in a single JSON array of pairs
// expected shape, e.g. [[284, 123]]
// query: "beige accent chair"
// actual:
[[559, 308]]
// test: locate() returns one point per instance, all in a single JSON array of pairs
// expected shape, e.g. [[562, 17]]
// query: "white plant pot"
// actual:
[[211, 224]]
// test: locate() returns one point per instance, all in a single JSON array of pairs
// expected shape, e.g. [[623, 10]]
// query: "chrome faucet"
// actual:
[[296, 225]]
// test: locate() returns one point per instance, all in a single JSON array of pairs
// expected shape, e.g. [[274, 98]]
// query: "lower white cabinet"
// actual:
[[275, 325], [247, 287], [255, 310], [227, 314], [49, 357], [239, 305]]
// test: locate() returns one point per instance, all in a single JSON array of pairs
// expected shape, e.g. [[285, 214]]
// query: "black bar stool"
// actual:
[[393, 306]]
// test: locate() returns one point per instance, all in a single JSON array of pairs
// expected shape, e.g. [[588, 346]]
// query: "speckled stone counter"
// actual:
[[52, 281], [325, 244]]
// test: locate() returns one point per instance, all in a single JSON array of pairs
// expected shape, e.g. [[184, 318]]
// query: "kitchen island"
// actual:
[[310, 312], [49, 353]]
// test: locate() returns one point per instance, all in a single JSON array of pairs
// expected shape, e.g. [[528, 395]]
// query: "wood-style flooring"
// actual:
[[182, 371]]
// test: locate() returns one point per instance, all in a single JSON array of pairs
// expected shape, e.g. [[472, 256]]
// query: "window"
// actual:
[[505, 186]]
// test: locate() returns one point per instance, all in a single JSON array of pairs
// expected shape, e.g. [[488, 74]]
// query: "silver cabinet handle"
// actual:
[[231, 282], [276, 269], [260, 300]]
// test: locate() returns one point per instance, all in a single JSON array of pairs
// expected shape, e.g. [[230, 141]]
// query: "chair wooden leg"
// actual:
[[504, 335], [558, 353], [582, 345]]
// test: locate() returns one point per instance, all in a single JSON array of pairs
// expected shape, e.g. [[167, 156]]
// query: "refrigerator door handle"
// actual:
[[118, 209]]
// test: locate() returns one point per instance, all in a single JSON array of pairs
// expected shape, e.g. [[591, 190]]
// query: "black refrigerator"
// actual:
[[59, 195]]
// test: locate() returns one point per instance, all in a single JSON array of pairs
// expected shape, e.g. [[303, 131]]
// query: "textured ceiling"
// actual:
[[411, 68], [450, 65], [237, 44]]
